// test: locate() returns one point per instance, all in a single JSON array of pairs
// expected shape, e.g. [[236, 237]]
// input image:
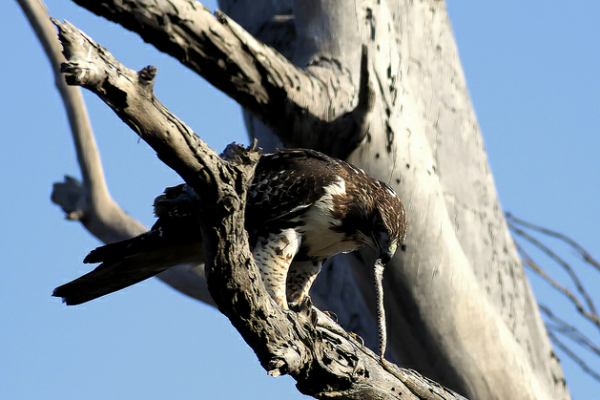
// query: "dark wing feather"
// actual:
[[285, 184]]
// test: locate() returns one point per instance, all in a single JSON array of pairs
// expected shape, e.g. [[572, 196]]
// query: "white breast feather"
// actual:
[[273, 256], [322, 241]]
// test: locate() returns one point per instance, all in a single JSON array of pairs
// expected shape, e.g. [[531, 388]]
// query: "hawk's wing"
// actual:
[[285, 184], [174, 240]]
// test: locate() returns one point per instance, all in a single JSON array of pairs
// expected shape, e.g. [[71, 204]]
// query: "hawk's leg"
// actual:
[[273, 255], [299, 280]]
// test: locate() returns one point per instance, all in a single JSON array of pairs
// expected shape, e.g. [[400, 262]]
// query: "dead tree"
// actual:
[[377, 83]]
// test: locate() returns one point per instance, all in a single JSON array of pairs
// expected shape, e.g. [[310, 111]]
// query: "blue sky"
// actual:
[[532, 71]]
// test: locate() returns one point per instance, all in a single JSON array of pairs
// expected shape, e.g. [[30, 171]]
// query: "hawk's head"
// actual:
[[389, 223]]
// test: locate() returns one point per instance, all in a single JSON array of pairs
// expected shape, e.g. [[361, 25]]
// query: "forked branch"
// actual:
[[89, 201], [319, 106]]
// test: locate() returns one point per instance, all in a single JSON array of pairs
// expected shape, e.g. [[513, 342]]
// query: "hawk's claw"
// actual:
[[331, 315]]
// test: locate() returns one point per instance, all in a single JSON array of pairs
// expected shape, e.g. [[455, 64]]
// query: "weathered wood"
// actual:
[[288, 99], [325, 360], [426, 138], [89, 201], [459, 295]]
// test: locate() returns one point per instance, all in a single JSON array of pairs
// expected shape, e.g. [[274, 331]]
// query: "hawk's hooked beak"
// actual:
[[387, 253]]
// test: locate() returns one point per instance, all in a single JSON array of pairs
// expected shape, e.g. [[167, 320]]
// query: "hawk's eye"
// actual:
[[392, 248]]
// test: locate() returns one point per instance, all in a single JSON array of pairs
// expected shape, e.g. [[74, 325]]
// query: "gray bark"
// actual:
[[461, 297], [326, 361], [459, 305]]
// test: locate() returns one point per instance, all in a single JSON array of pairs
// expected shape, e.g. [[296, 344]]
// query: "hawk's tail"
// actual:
[[119, 250], [125, 264]]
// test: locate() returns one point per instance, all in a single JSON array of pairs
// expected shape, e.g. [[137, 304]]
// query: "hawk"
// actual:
[[303, 207]]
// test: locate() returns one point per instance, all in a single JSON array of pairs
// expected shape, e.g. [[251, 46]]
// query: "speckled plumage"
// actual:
[[330, 205], [303, 207]]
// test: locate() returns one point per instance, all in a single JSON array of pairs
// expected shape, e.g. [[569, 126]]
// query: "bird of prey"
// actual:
[[303, 207]]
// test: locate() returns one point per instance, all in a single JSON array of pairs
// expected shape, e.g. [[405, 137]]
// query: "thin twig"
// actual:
[[554, 324], [574, 357], [563, 264], [582, 252], [568, 330], [536, 268]]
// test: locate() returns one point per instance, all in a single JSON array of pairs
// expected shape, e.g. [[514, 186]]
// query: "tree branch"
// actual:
[[302, 106], [590, 313], [568, 330], [89, 202], [325, 360], [582, 364], [528, 261], [587, 257], [557, 327]]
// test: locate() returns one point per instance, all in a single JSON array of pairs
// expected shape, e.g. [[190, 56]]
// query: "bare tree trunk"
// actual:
[[461, 297], [326, 361], [459, 305]]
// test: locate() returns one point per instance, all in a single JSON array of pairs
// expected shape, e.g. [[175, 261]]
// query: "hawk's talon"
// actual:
[[305, 307], [357, 338], [302, 306], [331, 315]]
